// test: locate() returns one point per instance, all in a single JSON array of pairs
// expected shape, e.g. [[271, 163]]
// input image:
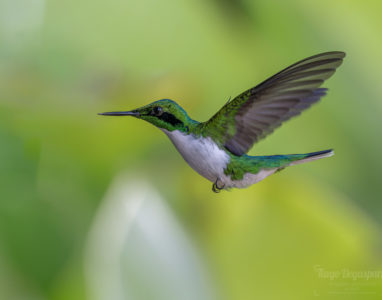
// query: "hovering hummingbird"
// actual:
[[217, 148]]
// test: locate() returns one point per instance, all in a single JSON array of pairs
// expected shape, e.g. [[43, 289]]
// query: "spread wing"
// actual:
[[258, 111]]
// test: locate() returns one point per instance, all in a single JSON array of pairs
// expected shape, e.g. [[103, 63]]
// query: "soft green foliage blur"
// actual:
[[62, 62]]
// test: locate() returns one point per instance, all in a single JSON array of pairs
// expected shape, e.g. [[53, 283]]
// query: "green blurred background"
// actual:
[[292, 236]]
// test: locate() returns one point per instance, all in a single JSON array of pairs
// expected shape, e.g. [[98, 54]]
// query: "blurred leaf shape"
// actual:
[[137, 249]]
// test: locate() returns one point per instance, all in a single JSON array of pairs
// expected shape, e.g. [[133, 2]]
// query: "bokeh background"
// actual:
[[105, 208]]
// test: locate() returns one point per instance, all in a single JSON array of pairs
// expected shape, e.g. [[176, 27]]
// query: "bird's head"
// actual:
[[164, 114]]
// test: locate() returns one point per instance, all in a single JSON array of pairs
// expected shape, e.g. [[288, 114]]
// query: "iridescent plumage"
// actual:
[[217, 149]]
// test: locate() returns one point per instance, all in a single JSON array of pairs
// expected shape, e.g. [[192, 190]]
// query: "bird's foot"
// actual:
[[216, 188]]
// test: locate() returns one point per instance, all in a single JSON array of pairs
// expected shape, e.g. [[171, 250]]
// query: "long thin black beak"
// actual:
[[121, 113]]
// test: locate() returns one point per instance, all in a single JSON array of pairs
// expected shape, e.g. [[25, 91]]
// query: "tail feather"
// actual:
[[312, 156]]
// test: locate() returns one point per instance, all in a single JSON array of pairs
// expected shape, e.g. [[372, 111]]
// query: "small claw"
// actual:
[[216, 188]]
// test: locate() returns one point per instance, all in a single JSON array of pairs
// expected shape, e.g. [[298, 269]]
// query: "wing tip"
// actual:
[[335, 54]]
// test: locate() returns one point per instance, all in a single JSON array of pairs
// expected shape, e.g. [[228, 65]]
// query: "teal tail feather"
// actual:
[[303, 158], [241, 165]]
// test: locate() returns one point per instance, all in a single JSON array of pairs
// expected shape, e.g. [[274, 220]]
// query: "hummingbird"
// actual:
[[217, 149]]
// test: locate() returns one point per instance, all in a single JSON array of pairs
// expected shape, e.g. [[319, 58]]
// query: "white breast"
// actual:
[[206, 158], [202, 154]]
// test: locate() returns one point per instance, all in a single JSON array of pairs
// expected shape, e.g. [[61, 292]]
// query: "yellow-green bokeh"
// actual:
[[62, 62]]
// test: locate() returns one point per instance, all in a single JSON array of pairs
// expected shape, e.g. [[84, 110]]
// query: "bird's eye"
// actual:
[[157, 111]]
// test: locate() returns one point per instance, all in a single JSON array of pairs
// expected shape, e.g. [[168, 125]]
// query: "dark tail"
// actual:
[[303, 158]]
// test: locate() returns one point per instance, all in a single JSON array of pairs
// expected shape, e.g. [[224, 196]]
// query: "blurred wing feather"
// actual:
[[258, 111]]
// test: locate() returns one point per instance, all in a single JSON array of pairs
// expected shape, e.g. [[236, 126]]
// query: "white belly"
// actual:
[[206, 158], [247, 180], [202, 154]]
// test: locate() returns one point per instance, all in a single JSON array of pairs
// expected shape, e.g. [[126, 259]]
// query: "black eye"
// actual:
[[157, 111]]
